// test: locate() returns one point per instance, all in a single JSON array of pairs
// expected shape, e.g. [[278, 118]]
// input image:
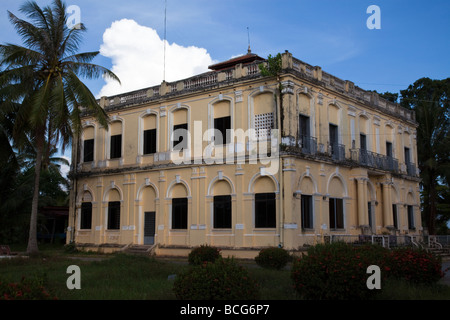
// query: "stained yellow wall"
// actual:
[[149, 182]]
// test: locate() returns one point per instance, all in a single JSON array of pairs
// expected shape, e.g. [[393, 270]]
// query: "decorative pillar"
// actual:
[[387, 206], [362, 204]]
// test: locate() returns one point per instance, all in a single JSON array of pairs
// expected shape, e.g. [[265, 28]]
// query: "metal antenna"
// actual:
[[248, 34], [165, 37]]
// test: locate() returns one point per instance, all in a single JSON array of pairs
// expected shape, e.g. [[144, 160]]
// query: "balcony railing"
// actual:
[[337, 151], [374, 160], [307, 144], [411, 169]]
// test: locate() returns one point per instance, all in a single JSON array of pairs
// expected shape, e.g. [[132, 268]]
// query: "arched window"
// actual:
[[180, 127], [113, 210], [115, 146], [222, 122], [265, 203], [336, 204], [307, 206], [263, 108], [222, 212], [179, 207], [410, 211], [149, 134], [88, 144], [86, 211]]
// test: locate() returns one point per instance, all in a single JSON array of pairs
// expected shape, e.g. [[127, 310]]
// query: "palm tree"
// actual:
[[43, 76]]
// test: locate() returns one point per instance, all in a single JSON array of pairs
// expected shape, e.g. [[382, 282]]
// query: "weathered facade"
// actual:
[[344, 163]]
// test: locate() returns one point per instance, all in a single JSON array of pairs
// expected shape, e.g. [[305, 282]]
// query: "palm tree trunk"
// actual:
[[32, 238]]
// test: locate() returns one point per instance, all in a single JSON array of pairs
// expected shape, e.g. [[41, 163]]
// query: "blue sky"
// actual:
[[413, 41]]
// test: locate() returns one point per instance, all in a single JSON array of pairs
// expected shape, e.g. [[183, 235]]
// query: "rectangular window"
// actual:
[[304, 134], [333, 134], [222, 212], [394, 213], [114, 215], [337, 151], [336, 213], [222, 125], [86, 215], [116, 146], [407, 156], [179, 213], [307, 212], [411, 224], [363, 141], [265, 210], [180, 136], [88, 150], [150, 141], [389, 149], [369, 212]]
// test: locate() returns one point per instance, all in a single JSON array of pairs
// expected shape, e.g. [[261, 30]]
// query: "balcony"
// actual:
[[411, 169], [374, 160], [307, 145], [337, 151]]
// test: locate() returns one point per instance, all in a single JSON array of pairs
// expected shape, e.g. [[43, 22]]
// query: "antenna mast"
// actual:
[[165, 37], [248, 34]]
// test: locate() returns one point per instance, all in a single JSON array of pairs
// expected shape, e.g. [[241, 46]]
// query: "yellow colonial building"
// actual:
[[240, 161]]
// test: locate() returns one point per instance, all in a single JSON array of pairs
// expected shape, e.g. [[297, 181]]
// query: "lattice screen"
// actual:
[[263, 125]]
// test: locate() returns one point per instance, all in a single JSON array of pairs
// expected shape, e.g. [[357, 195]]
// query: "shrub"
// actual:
[[203, 253], [26, 289], [336, 271], [70, 248], [222, 280], [414, 265], [273, 258]]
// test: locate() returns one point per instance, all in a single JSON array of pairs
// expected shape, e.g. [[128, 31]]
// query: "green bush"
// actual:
[[414, 265], [222, 280], [70, 248], [203, 253], [336, 271], [273, 258], [26, 289]]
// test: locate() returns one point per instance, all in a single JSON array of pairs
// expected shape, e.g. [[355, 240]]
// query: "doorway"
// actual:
[[149, 227]]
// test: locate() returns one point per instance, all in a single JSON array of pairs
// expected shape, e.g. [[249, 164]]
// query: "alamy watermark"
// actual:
[[236, 147], [374, 21], [74, 280], [74, 17]]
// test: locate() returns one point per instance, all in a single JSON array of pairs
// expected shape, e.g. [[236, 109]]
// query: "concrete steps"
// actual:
[[444, 252], [139, 249]]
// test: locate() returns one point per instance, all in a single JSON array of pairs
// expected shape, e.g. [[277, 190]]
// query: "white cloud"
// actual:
[[137, 54]]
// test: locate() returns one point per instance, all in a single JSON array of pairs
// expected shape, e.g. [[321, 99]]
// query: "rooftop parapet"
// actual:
[[226, 73]]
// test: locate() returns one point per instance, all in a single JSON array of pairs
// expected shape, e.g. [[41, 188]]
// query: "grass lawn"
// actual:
[[123, 277]]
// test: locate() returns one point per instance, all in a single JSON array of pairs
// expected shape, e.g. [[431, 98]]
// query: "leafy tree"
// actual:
[[392, 97], [43, 78], [430, 99]]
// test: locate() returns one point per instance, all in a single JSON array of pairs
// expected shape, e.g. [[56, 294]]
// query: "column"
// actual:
[[387, 206], [362, 202]]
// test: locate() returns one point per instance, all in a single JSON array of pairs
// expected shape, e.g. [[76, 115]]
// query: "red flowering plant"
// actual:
[[26, 289], [415, 265], [336, 271]]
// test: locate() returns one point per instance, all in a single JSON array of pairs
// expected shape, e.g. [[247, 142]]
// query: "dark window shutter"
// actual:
[[179, 213], [88, 150], [116, 146], [265, 210], [150, 141]]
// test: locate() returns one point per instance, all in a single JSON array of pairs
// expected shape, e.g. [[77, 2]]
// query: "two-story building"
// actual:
[[240, 161]]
